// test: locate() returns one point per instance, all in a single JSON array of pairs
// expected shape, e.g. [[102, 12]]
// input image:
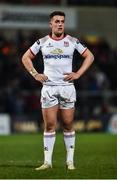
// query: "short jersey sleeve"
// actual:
[[80, 47], [35, 47]]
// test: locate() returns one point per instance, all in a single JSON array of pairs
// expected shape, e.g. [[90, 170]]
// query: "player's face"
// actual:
[[57, 25]]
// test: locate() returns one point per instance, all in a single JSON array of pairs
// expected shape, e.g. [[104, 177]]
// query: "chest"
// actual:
[[57, 48]]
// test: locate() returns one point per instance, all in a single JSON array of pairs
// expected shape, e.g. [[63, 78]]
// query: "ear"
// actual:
[[50, 24]]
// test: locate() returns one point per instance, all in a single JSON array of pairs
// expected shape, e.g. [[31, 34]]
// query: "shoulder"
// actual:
[[72, 39], [42, 40]]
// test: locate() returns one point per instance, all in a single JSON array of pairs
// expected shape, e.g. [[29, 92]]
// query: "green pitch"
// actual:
[[95, 157]]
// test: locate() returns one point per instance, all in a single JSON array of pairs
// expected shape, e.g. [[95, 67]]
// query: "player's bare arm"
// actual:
[[27, 61], [89, 58]]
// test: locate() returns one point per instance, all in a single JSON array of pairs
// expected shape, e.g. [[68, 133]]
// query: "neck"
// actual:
[[57, 36]]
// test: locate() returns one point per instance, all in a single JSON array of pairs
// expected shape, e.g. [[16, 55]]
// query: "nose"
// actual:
[[60, 23]]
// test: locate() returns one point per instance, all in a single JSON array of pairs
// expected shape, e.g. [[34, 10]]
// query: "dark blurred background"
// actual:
[[22, 22]]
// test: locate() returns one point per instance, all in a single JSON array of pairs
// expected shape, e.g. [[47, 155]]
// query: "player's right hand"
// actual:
[[41, 77]]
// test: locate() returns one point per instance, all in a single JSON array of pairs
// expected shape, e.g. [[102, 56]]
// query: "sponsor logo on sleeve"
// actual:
[[38, 41]]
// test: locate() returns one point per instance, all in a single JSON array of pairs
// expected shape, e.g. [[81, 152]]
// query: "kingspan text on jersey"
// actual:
[[57, 56]]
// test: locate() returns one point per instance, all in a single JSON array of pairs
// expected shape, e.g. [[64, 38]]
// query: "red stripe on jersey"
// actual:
[[32, 52], [84, 51]]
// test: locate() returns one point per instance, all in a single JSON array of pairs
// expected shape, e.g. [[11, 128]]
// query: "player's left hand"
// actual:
[[71, 76]]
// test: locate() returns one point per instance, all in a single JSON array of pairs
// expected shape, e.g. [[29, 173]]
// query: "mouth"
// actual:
[[59, 29]]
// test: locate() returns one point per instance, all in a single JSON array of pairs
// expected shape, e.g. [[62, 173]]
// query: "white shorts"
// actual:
[[64, 96]]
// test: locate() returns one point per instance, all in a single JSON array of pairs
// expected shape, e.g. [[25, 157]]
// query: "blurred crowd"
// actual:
[[20, 93], [61, 2]]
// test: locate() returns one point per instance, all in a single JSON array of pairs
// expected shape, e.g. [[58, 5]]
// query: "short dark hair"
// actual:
[[57, 13]]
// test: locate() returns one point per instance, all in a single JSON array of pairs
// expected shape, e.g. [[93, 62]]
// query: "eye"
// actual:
[[62, 21], [57, 21]]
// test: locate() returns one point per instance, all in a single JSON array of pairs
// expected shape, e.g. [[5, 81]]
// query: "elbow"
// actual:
[[92, 57], [23, 59]]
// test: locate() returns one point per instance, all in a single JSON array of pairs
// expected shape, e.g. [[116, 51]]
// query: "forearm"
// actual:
[[85, 65], [27, 62]]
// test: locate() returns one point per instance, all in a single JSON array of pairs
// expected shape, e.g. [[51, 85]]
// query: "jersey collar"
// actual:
[[50, 35]]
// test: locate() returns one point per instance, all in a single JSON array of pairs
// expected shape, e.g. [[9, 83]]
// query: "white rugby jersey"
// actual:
[[57, 57]]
